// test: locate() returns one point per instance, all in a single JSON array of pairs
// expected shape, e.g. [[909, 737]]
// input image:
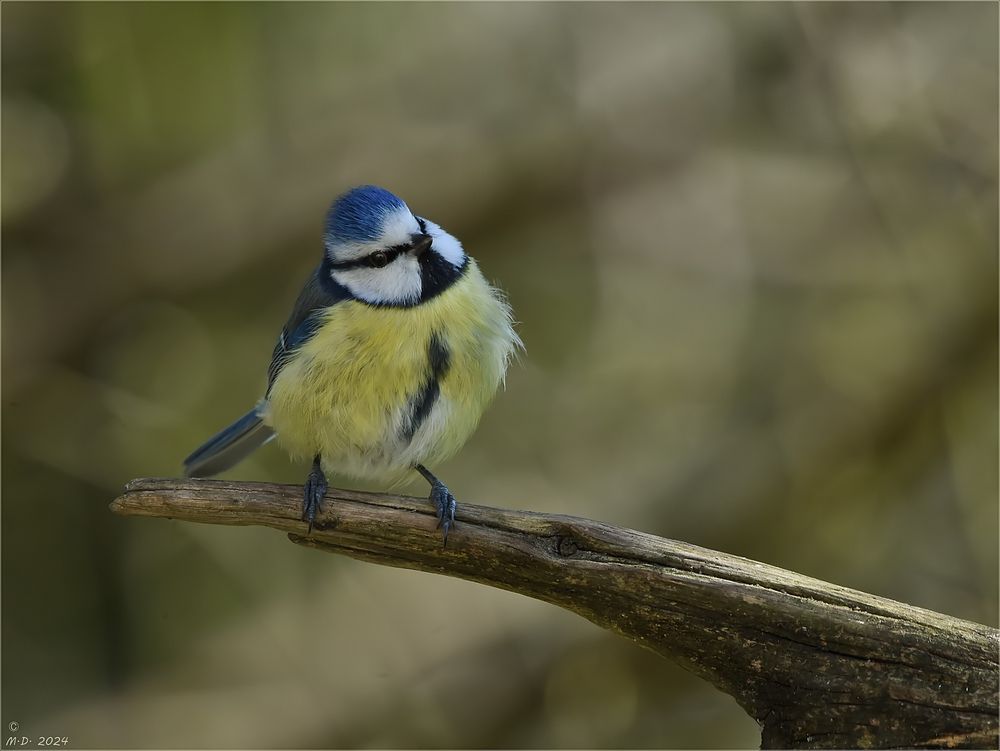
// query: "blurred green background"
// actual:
[[753, 251]]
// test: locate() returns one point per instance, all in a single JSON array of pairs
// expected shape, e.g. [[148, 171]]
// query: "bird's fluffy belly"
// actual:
[[349, 393]]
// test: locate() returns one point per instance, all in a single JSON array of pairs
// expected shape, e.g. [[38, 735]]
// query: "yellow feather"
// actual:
[[346, 393]]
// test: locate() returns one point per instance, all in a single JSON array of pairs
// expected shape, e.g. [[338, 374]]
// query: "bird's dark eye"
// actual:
[[378, 259]]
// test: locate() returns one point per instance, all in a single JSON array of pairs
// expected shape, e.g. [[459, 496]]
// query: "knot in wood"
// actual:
[[567, 547]]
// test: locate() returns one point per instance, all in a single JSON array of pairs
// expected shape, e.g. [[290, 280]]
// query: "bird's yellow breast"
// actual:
[[350, 392]]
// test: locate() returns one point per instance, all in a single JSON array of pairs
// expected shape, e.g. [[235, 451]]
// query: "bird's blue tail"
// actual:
[[229, 446]]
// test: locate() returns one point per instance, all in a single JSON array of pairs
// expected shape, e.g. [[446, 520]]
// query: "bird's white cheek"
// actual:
[[397, 283]]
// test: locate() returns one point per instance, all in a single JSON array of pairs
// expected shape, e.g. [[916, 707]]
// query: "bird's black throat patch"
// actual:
[[437, 275]]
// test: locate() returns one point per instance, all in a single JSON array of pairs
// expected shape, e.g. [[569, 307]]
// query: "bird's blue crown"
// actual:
[[358, 215]]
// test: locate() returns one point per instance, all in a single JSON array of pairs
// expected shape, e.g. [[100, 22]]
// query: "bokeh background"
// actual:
[[753, 253]]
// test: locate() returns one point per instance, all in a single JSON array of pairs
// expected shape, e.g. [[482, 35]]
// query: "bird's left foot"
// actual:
[[445, 505], [444, 502], [315, 489]]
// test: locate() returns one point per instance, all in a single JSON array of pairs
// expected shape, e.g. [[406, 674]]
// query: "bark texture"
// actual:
[[817, 665]]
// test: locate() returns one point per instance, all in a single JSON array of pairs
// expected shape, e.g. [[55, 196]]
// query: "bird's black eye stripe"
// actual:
[[375, 260], [379, 258]]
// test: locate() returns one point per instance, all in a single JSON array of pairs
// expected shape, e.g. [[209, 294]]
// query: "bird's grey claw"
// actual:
[[445, 505], [314, 491]]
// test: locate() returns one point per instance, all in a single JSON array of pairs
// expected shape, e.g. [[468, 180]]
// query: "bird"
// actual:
[[393, 349]]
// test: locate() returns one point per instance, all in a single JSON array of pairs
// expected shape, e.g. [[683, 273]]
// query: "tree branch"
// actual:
[[817, 665]]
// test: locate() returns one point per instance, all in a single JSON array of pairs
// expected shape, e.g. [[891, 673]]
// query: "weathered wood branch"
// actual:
[[817, 665]]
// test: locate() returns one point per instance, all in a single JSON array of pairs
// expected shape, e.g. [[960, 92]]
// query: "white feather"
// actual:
[[397, 227], [399, 282], [445, 245], [395, 457]]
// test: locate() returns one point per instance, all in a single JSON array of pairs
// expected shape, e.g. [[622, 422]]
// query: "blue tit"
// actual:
[[393, 349]]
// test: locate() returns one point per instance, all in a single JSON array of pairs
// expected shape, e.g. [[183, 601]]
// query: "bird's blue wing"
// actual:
[[234, 443], [319, 293]]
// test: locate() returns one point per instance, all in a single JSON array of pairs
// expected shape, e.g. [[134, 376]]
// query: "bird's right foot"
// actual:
[[315, 490]]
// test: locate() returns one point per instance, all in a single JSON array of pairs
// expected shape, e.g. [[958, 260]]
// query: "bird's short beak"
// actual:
[[421, 243]]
